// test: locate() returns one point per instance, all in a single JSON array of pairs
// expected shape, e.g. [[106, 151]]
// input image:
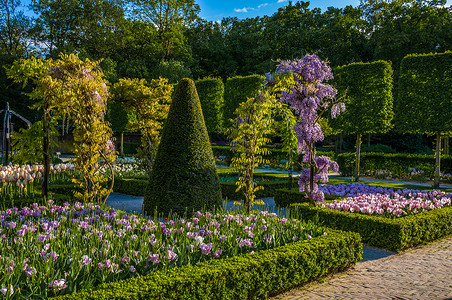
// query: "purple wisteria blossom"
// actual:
[[309, 98]]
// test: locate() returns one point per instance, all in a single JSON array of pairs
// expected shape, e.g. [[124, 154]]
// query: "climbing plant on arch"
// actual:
[[75, 88]]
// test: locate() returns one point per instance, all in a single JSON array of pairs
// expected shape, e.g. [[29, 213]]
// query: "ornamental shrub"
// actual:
[[184, 175], [237, 90], [211, 92]]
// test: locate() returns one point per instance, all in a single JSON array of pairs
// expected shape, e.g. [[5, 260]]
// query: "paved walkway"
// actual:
[[424, 272]]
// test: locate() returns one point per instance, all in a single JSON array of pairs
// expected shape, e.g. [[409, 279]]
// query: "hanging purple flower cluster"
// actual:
[[309, 98]]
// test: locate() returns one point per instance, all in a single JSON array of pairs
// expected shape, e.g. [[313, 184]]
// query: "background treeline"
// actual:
[[148, 39]]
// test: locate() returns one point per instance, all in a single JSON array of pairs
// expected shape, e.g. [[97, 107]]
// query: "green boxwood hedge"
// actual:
[[393, 234], [395, 163], [136, 187], [275, 156], [211, 92], [285, 197], [236, 90], [270, 188], [248, 276], [130, 186]]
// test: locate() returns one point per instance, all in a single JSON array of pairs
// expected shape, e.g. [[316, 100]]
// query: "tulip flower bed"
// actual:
[[52, 250], [17, 182], [393, 206], [393, 233]]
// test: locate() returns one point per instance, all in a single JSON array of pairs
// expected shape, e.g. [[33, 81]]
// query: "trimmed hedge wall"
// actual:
[[393, 234], [395, 163], [275, 156], [285, 197], [136, 187], [236, 90], [249, 276], [270, 188], [130, 186], [425, 94], [368, 88], [211, 91]]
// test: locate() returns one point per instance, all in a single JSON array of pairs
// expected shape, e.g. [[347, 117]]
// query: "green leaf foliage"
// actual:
[[237, 90], [117, 116], [184, 174], [248, 276], [424, 104], [211, 91], [368, 88], [393, 234]]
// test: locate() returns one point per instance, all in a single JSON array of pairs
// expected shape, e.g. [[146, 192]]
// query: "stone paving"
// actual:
[[424, 272]]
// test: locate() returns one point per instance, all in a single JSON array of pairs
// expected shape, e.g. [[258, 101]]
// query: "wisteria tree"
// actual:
[[302, 85]]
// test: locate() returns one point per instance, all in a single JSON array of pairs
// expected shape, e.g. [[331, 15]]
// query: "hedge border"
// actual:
[[247, 276], [285, 197], [393, 234], [394, 162], [136, 187]]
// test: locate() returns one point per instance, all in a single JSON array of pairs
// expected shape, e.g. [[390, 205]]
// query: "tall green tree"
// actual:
[[184, 177], [425, 98], [93, 28], [400, 27], [170, 18], [368, 88], [14, 29]]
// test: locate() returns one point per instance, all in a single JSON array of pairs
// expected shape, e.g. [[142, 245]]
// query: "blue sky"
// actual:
[[214, 10]]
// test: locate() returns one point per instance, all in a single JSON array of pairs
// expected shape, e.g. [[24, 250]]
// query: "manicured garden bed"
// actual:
[[50, 250], [389, 233], [247, 276]]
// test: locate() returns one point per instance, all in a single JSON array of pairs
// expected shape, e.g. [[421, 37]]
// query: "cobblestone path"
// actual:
[[424, 272]]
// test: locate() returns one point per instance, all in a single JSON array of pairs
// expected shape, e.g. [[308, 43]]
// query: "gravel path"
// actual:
[[424, 272]]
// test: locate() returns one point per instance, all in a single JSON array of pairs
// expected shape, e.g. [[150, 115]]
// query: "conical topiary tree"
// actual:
[[184, 176]]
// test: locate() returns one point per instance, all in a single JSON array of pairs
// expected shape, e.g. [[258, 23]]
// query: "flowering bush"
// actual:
[[446, 177], [381, 174], [386, 202], [51, 249]]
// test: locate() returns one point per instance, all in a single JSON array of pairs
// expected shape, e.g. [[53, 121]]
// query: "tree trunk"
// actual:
[[368, 140], [341, 142], [45, 155], [438, 160], [122, 144], [358, 155], [446, 145]]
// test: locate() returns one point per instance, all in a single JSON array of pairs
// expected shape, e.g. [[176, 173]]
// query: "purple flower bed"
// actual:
[[48, 250], [363, 198]]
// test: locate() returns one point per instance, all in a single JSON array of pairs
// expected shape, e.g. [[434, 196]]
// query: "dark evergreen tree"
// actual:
[[184, 176]]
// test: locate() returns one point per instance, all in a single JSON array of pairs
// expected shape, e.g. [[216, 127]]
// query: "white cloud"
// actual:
[[244, 10], [262, 5], [281, 1]]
